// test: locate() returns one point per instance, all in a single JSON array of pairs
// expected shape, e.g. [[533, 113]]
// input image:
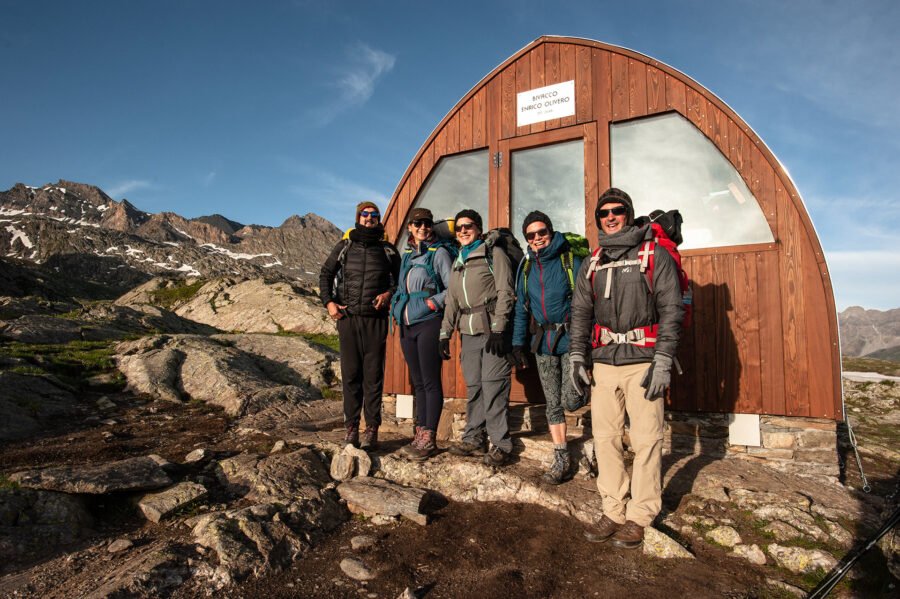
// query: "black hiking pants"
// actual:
[[420, 346], [363, 345]]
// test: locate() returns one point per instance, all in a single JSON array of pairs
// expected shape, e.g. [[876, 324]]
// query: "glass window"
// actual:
[[455, 183], [665, 162], [549, 179]]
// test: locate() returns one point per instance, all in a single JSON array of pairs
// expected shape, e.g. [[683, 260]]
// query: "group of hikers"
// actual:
[[603, 327]]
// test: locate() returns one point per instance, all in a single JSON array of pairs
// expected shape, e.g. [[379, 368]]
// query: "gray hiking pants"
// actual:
[[487, 385]]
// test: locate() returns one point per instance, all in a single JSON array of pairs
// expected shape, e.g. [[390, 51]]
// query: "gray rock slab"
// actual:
[[659, 544], [356, 569], [132, 474], [35, 523], [725, 536], [799, 560], [349, 463], [281, 477], [198, 455], [157, 506], [751, 553]]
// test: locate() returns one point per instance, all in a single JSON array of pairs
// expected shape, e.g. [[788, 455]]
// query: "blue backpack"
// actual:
[[401, 296]]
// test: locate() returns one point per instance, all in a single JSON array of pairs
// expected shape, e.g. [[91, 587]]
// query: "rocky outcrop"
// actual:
[[132, 474], [866, 331], [30, 403], [156, 506], [32, 520], [255, 306], [293, 506], [216, 371]]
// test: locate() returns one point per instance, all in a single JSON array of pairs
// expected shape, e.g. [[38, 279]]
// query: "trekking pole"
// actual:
[[839, 571], [866, 487]]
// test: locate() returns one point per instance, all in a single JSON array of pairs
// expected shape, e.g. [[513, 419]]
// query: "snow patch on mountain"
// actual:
[[20, 235]]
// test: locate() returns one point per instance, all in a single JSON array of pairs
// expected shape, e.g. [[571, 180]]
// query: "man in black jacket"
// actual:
[[356, 284], [626, 321]]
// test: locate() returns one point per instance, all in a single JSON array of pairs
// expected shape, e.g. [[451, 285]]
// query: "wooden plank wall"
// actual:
[[763, 338]]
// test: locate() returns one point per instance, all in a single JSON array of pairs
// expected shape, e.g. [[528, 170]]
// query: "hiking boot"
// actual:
[[409, 450], [602, 531], [629, 536], [468, 449], [426, 448], [496, 457], [369, 438], [352, 436], [559, 470]]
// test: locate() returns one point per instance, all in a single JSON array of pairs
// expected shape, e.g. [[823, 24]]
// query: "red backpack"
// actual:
[[646, 336]]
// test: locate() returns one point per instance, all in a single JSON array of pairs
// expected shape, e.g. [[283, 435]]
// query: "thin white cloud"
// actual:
[[209, 178], [331, 196], [354, 82], [120, 189]]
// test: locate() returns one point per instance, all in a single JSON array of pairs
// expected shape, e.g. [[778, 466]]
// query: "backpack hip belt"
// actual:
[[539, 330], [485, 310], [641, 336]]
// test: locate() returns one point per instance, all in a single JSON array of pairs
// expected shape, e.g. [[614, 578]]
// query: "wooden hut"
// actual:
[[565, 118]]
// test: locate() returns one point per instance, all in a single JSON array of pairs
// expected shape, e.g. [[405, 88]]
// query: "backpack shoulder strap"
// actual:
[[647, 258], [568, 264]]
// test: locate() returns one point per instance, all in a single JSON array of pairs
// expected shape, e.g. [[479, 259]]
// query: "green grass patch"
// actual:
[[329, 341], [168, 297], [884, 367], [329, 393], [6, 484], [73, 363]]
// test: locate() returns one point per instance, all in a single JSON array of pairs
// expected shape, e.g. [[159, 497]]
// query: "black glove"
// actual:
[[444, 349], [517, 357], [581, 378], [494, 344], [658, 377]]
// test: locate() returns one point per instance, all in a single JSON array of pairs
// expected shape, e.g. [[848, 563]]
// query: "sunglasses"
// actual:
[[617, 211], [422, 222], [465, 226], [368, 213], [539, 233]]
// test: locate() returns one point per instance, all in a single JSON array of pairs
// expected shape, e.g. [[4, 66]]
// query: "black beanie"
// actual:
[[470, 214], [615, 196], [537, 216]]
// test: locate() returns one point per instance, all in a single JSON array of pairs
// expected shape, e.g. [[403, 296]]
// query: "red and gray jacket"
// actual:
[[617, 317]]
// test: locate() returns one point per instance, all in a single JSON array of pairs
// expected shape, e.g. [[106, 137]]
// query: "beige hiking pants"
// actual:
[[646, 433]]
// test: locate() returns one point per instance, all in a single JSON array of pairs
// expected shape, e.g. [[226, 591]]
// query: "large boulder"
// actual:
[[33, 522], [218, 371], [29, 403], [255, 306]]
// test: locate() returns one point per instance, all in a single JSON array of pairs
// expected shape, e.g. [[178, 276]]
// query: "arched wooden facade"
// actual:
[[764, 339]]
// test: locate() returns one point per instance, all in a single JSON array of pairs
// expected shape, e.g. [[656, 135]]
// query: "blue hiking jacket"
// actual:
[[415, 284], [549, 296]]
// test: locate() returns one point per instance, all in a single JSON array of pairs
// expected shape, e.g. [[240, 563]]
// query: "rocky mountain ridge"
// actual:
[[83, 232], [867, 332]]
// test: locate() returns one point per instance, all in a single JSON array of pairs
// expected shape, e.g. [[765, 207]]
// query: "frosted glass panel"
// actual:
[[456, 182], [665, 162], [549, 179]]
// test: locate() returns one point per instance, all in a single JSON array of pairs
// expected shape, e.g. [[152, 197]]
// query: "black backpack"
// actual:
[[670, 221], [504, 239]]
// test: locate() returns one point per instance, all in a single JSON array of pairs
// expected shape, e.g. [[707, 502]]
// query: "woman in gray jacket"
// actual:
[[417, 307], [479, 305]]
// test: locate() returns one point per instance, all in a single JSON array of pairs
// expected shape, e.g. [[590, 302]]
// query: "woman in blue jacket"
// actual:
[[418, 307], [544, 286]]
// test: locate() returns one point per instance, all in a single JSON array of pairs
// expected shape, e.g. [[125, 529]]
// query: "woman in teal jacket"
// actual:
[[544, 286]]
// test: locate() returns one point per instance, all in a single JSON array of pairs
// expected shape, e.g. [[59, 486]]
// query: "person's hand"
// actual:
[[581, 378], [335, 311], [381, 300], [444, 348], [494, 344], [517, 358], [658, 376]]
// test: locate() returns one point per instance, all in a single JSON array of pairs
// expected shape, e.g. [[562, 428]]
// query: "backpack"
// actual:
[[666, 227], [504, 239]]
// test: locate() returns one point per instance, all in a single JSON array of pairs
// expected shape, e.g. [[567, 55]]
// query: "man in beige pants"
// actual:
[[626, 318]]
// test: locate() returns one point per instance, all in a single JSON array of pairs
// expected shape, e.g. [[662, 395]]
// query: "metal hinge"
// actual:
[[498, 159]]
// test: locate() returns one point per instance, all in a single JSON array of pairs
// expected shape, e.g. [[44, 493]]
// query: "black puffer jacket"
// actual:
[[370, 267], [629, 305]]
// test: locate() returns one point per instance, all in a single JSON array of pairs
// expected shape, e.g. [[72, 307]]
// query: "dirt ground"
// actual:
[[488, 550]]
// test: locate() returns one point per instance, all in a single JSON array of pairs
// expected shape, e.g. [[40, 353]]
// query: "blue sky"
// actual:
[[262, 110]]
